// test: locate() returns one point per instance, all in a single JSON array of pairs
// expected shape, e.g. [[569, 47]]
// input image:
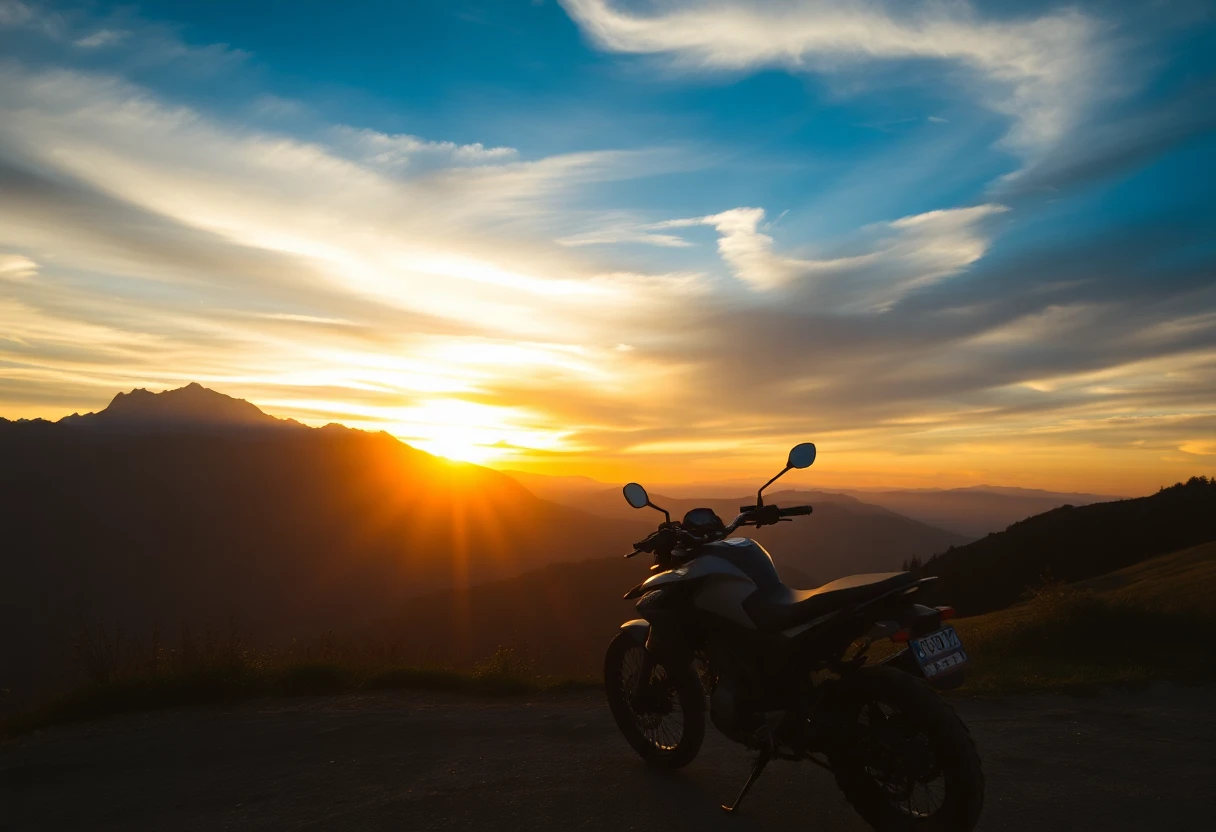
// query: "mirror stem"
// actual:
[[760, 493], [665, 512]]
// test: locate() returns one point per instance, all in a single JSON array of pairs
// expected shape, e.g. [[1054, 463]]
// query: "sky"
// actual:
[[951, 243]]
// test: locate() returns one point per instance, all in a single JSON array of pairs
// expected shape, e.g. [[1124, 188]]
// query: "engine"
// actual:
[[732, 708]]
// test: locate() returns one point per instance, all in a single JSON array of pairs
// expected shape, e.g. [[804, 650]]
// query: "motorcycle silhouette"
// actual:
[[786, 672]]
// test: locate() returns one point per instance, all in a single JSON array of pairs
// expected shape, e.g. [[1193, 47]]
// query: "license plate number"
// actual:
[[939, 653]]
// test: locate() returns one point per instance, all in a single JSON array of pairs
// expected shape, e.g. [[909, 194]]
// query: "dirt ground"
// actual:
[[411, 760]]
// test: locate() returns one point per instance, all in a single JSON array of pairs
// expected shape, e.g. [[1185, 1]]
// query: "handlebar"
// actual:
[[670, 535], [794, 511]]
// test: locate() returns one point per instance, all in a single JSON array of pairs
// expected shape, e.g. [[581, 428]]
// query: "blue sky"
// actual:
[[954, 242]]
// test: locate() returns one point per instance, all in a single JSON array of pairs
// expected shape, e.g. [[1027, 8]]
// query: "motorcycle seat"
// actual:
[[780, 607]]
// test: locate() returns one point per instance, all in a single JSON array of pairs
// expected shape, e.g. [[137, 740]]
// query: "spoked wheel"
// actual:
[[906, 761], [660, 710]]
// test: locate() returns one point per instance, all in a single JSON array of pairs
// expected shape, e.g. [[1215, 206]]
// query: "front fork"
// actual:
[[647, 699]]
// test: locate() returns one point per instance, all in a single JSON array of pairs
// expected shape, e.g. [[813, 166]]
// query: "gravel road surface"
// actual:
[[414, 760]]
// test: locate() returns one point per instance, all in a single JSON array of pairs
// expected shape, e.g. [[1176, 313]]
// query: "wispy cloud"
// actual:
[[102, 37], [897, 257], [397, 153], [621, 227], [1042, 71], [16, 267]]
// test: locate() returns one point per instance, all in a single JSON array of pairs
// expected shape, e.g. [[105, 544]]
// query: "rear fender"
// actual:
[[916, 621], [905, 661]]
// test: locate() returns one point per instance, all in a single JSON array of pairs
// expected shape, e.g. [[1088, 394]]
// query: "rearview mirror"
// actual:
[[636, 496], [801, 456]]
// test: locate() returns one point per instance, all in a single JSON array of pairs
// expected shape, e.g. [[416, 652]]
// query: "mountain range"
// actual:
[[561, 616], [189, 507], [844, 535], [970, 512]]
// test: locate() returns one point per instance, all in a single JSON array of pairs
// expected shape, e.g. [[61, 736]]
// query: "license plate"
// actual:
[[939, 653]]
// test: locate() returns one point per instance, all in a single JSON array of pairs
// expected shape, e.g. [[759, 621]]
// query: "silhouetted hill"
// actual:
[[842, 537], [977, 510], [1073, 544], [562, 616], [298, 531]]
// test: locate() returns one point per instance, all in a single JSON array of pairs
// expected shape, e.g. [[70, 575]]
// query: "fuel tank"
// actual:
[[748, 556], [727, 572]]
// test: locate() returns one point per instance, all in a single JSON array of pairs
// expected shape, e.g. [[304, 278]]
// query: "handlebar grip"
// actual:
[[795, 511], [747, 508]]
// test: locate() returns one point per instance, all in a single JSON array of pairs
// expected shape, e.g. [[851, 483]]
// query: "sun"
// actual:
[[460, 445], [461, 430]]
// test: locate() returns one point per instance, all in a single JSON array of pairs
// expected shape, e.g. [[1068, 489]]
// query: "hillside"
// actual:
[[295, 530], [560, 617], [1147, 622], [563, 615], [1072, 544], [977, 510], [1182, 581]]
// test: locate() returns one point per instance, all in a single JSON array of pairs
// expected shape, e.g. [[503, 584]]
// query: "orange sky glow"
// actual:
[[625, 304]]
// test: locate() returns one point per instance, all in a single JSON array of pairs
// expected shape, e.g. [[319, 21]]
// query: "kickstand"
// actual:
[[761, 762]]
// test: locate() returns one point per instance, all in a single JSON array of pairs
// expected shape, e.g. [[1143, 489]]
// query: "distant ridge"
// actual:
[[1073, 543], [192, 406], [845, 535], [975, 510]]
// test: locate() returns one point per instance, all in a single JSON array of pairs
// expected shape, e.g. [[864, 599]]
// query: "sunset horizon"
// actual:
[[715, 479], [952, 246]]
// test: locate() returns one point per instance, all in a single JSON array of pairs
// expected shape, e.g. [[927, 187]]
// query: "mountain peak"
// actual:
[[189, 406]]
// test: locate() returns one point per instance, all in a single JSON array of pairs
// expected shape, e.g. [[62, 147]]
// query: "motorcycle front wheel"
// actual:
[[903, 758], [659, 709]]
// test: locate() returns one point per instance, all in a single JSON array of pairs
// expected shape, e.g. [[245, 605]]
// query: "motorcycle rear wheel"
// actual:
[[905, 760], [659, 709]]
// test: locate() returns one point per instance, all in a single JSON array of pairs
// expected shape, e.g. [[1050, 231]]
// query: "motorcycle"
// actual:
[[786, 672]]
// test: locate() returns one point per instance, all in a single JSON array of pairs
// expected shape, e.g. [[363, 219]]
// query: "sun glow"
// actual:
[[471, 432]]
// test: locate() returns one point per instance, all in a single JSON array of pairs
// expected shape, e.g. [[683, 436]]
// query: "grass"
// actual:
[[1150, 622], [121, 677]]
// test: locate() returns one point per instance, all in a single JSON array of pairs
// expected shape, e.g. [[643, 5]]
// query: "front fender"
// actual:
[[638, 629], [665, 640]]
